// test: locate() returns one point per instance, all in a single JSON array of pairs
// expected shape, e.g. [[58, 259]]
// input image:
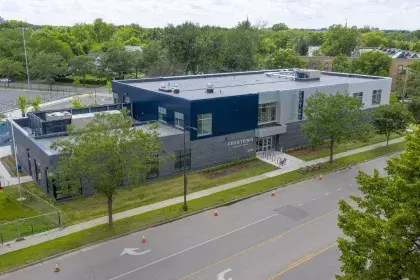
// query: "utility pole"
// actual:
[[26, 58]]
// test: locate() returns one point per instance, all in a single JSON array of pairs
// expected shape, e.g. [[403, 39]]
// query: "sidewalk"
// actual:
[[40, 238]]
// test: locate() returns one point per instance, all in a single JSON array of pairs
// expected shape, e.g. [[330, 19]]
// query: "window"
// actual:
[[38, 176], [162, 114], [179, 120], [267, 112], [29, 164], [204, 124], [400, 68], [358, 95], [179, 160], [376, 97]]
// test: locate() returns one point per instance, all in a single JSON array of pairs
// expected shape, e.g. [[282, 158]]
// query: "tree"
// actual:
[[374, 39], [22, 104], [137, 60], [388, 119], [341, 63], [82, 65], [115, 63], [372, 63], [382, 232], [340, 40], [284, 58], [36, 102], [279, 26], [105, 153], [408, 81], [335, 117], [48, 66], [414, 108], [11, 69], [102, 30], [76, 102]]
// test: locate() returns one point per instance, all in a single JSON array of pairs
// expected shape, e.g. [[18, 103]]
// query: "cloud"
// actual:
[[387, 14]]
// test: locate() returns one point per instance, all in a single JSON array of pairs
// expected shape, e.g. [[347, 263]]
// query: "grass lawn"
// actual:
[[10, 165], [311, 154], [37, 252], [83, 208]]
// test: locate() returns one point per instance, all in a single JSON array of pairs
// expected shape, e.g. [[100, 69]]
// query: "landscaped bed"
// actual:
[[10, 165]]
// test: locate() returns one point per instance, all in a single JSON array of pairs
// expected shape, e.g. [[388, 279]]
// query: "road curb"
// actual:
[[187, 215]]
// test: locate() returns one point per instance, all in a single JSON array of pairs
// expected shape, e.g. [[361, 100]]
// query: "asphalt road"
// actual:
[[289, 236]]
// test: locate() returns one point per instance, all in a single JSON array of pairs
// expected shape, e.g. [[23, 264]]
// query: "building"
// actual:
[[226, 116]]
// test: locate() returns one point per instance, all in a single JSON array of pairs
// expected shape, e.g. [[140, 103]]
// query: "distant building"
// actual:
[[133, 48], [1, 20], [312, 49], [97, 57]]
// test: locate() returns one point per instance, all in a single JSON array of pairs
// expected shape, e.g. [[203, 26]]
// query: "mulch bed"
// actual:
[[9, 164], [232, 169]]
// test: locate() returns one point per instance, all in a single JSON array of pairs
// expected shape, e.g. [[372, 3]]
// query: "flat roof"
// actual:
[[163, 131], [241, 83]]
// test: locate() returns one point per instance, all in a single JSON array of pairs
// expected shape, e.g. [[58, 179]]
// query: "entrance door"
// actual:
[[265, 144]]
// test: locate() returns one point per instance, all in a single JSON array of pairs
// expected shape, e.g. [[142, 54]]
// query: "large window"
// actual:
[[376, 97], [179, 160], [162, 114], [204, 124], [358, 95], [179, 120], [267, 112]]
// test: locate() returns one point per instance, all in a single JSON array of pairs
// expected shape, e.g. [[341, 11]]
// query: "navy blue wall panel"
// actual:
[[146, 102], [230, 114]]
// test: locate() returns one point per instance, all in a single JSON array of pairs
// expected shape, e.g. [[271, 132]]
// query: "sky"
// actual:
[[385, 14]]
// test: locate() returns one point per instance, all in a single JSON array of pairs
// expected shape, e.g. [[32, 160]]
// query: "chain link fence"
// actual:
[[41, 215], [46, 87]]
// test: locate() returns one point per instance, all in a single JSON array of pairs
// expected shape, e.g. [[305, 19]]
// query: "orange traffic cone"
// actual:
[[143, 239], [57, 268], [216, 213], [273, 193]]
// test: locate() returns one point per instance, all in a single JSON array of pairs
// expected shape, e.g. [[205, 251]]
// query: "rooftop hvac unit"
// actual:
[[55, 116], [176, 89], [209, 88], [307, 74], [165, 88]]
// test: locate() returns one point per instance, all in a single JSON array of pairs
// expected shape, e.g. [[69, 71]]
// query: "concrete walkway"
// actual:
[[40, 238]]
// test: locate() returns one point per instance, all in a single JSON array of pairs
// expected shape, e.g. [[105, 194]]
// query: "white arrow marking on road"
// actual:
[[221, 275], [132, 252]]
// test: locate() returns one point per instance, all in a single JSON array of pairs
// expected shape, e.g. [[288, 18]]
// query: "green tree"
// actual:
[[48, 67], [137, 60], [335, 117], [340, 40], [115, 63], [372, 63], [11, 69], [388, 119], [81, 66], [382, 231], [22, 104], [374, 39], [36, 102], [342, 63], [284, 58], [76, 102], [102, 31], [279, 26], [414, 108], [105, 153]]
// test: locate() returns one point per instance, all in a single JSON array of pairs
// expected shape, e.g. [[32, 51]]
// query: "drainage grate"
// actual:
[[292, 212]]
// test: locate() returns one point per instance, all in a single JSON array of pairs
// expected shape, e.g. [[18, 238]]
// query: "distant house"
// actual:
[[97, 57], [1, 20], [133, 48]]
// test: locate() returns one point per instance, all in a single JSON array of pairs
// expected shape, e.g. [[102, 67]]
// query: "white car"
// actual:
[[5, 80]]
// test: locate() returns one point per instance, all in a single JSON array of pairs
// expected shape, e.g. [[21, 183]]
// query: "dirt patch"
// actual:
[[232, 169], [9, 164]]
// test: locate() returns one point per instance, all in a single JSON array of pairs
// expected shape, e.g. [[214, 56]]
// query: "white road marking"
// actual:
[[193, 247], [132, 252], [300, 204], [339, 189], [327, 193], [221, 275], [313, 199], [350, 185]]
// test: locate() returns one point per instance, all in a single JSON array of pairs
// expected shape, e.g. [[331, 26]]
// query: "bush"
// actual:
[[230, 164], [88, 81]]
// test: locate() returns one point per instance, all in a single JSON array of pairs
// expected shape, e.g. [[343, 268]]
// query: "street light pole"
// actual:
[[26, 58], [185, 206]]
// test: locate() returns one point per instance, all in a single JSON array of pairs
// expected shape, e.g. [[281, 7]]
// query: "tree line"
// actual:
[[55, 52]]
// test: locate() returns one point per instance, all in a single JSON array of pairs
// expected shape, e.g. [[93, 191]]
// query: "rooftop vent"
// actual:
[[176, 89], [209, 88]]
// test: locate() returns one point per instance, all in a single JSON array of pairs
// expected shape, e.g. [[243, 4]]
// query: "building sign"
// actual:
[[300, 104], [241, 142]]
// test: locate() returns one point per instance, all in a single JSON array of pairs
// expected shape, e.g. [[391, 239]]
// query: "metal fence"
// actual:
[[41, 215], [46, 87], [45, 97]]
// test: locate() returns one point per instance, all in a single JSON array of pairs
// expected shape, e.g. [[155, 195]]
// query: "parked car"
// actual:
[[5, 80]]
